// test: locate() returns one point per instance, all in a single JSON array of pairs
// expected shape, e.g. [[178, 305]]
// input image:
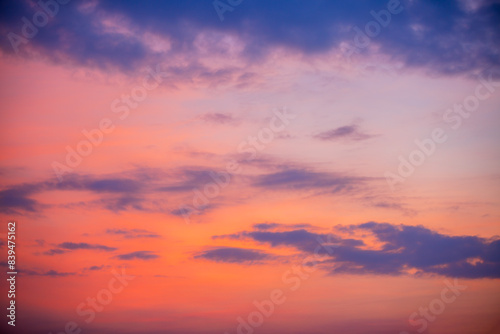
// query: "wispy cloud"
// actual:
[[302, 179], [49, 273], [132, 233], [138, 255], [84, 245], [219, 118], [54, 251], [344, 133]]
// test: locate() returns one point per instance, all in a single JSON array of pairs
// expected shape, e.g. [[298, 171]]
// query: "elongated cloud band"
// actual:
[[398, 250], [447, 36]]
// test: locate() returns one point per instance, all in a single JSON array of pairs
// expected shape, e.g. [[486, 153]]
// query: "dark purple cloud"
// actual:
[[302, 179], [132, 233], [66, 247], [403, 248], [18, 197], [50, 273], [119, 192], [114, 185], [272, 226], [14, 199], [122, 203], [234, 255], [443, 36], [138, 255], [84, 245], [54, 251], [55, 273], [189, 179], [97, 268], [266, 226], [348, 132]]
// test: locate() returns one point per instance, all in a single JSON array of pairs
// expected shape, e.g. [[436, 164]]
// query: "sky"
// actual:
[[250, 166]]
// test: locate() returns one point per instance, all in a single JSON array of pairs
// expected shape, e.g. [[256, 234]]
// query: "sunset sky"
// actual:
[[230, 166]]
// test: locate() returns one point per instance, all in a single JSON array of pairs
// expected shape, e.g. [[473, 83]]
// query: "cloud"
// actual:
[[122, 203], [124, 191], [17, 197], [49, 273], [14, 199], [302, 179], [445, 36], [55, 273], [400, 250], [272, 226], [301, 239], [394, 206], [84, 245], [188, 211], [234, 255], [266, 226], [139, 255], [96, 268], [190, 178], [56, 251], [119, 191], [218, 118], [142, 189], [348, 132], [66, 247], [383, 201], [108, 184], [133, 233], [114, 185]]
